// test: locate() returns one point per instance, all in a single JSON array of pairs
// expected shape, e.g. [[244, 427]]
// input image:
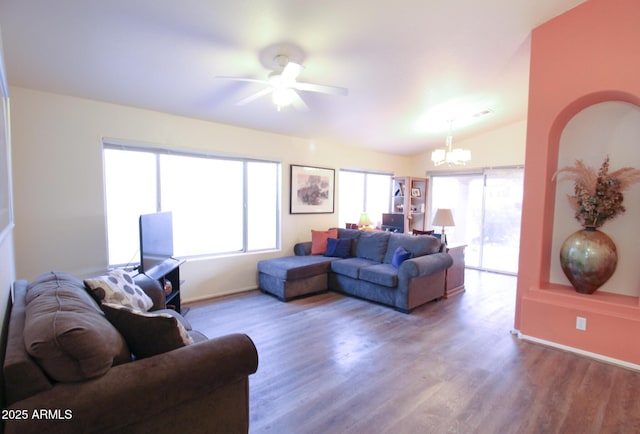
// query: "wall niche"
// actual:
[[607, 128]]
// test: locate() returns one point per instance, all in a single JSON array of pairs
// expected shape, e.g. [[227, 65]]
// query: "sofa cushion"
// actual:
[[381, 274], [295, 267], [66, 332], [372, 245], [353, 235], [399, 256], [351, 267], [23, 377], [319, 240], [118, 286], [418, 245], [338, 247], [185, 322], [147, 333]]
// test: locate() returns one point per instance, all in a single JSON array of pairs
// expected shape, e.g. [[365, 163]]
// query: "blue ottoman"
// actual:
[[294, 276]]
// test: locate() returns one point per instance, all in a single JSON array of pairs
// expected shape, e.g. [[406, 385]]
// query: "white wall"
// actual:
[[7, 276], [501, 147], [7, 273], [58, 184]]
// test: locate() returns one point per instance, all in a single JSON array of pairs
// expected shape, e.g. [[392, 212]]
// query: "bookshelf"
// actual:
[[409, 198]]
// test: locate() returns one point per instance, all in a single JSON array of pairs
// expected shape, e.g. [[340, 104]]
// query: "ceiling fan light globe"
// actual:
[[282, 84], [283, 97]]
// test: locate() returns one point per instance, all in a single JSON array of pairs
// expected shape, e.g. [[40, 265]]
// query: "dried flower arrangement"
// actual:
[[597, 196]]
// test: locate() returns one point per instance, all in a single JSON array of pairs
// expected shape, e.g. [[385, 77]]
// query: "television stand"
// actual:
[[169, 270]]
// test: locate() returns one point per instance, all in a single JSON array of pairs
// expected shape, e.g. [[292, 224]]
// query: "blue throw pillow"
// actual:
[[338, 247], [399, 256]]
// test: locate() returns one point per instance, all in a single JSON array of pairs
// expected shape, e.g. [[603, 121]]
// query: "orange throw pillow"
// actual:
[[319, 240]]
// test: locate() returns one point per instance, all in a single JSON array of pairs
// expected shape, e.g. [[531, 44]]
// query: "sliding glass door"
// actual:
[[502, 214], [486, 208], [463, 195]]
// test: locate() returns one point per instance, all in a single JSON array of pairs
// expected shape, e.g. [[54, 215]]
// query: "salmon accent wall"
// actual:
[[586, 56]]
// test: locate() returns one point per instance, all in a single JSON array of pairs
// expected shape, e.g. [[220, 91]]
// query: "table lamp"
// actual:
[[364, 221], [443, 218]]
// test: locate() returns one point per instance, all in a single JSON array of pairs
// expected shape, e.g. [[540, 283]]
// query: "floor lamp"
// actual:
[[443, 218]]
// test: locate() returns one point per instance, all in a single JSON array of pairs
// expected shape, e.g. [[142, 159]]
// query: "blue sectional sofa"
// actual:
[[398, 270]]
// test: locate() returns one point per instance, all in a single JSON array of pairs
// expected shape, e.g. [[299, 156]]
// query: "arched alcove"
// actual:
[[584, 96], [605, 128]]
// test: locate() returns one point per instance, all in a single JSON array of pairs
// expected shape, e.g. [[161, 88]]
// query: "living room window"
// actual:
[[363, 191], [220, 205]]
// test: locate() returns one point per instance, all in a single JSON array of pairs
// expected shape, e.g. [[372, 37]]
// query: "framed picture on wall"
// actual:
[[312, 190], [6, 207]]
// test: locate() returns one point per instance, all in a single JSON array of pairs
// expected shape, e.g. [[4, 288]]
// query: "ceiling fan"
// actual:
[[283, 85]]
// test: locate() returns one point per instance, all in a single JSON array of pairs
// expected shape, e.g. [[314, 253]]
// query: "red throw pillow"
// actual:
[[319, 240]]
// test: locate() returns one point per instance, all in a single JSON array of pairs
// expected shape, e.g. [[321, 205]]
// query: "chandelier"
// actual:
[[450, 156]]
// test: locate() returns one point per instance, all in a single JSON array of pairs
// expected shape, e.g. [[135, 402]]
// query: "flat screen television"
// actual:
[[393, 222], [156, 239]]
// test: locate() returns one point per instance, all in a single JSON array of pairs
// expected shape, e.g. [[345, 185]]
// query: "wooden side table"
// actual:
[[454, 277]]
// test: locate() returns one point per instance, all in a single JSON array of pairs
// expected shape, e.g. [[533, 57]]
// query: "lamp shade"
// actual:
[[438, 155], [443, 217], [364, 219]]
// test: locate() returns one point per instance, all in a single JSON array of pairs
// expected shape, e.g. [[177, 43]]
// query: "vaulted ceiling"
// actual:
[[410, 66]]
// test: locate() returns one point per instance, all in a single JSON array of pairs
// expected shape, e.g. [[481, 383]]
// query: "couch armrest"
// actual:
[[302, 249], [425, 265], [421, 280], [138, 392], [153, 289]]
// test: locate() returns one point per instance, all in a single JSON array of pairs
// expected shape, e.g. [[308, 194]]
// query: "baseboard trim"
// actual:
[[220, 295], [589, 354]]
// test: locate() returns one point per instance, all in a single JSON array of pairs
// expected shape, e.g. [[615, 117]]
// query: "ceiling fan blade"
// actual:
[[332, 90], [291, 71], [255, 96], [252, 80], [299, 104]]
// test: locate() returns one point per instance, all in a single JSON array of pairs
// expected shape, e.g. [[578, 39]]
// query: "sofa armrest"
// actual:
[[302, 249], [136, 392], [421, 279], [425, 265], [153, 289]]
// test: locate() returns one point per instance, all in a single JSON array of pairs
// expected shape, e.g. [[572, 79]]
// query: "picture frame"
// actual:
[[312, 190], [6, 200], [415, 192]]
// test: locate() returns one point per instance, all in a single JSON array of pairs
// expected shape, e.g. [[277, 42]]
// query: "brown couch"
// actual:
[[199, 387]]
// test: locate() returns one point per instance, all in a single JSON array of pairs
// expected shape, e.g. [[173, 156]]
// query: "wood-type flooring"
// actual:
[[335, 364]]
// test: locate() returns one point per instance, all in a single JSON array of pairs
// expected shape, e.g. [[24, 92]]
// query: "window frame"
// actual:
[[157, 152], [365, 191]]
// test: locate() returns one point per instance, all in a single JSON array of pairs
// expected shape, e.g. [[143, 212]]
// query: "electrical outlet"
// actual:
[[581, 323]]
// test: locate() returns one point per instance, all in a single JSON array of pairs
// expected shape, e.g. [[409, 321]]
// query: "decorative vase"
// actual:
[[588, 258]]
